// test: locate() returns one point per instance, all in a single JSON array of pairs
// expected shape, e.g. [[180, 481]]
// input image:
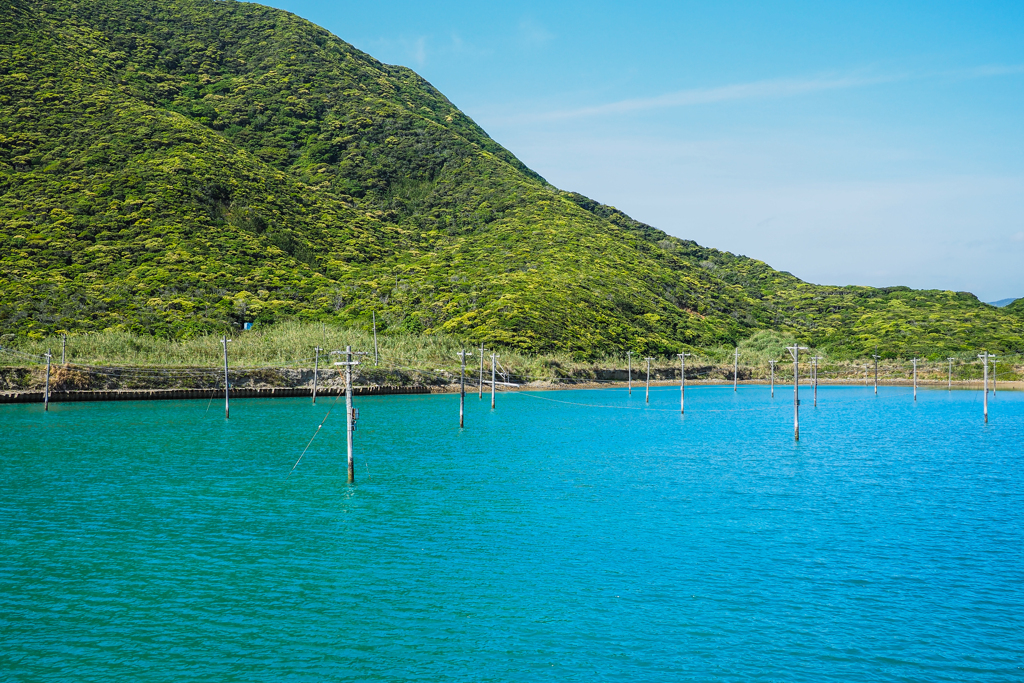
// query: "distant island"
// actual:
[[173, 167]]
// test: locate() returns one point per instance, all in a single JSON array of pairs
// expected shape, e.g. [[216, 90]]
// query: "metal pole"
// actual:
[[875, 356], [815, 359], [462, 390], [995, 366], [480, 387], [63, 346], [985, 361], [374, 337], [629, 369], [494, 358], [796, 393], [772, 363], [735, 368], [795, 352], [316, 369], [949, 380], [648, 399], [915, 379], [682, 382], [46, 390], [227, 400], [348, 413]]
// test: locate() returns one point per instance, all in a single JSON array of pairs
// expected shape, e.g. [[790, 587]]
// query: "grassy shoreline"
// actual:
[[283, 355]]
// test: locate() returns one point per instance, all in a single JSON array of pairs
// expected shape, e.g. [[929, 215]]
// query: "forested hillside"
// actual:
[[172, 166]]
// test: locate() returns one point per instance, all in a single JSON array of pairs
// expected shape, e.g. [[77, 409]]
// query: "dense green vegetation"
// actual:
[[178, 166]]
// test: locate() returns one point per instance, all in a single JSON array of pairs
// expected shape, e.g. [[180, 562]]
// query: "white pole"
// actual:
[[462, 390], [316, 369], [794, 351], [348, 413], [46, 389], [629, 369], [735, 368], [772, 363], [915, 379], [227, 400], [480, 383], [875, 356], [949, 380], [493, 359], [682, 382], [374, 337], [648, 399], [63, 346]]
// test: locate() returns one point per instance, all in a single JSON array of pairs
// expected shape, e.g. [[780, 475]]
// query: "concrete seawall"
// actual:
[[171, 394]]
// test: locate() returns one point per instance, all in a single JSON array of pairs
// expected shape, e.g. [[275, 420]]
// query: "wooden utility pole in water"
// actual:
[[682, 381], [949, 380], [994, 366], [794, 351], [46, 389], [735, 368], [915, 379], [480, 387], [316, 369], [494, 358], [462, 389], [984, 359], [227, 400], [648, 359], [629, 370], [772, 363], [875, 356]]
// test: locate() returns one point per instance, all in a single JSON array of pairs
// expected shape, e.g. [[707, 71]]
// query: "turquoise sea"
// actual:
[[570, 535]]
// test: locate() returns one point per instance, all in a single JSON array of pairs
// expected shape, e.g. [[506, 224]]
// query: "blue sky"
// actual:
[[848, 143]]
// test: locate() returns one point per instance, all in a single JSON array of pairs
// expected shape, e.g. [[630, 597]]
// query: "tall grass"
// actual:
[[291, 344]]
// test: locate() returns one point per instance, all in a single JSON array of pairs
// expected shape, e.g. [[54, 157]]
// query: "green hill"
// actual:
[[172, 166]]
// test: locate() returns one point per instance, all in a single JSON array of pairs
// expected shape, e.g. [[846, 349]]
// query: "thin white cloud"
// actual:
[[725, 93], [759, 90], [990, 70]]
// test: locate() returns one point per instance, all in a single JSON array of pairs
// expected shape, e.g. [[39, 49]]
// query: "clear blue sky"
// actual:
[[848, 143]]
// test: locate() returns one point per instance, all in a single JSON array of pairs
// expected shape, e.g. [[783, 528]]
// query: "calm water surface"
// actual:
[[574, 535]]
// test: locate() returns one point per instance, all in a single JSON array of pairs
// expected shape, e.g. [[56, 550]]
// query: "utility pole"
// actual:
[[227, 401], [915, 379], [63, 346], [494, 358], [46, 389], [316, 369], [351, 413], [629, 369], [772, 363], [648, 359], [682, 382], [735, 368], [875, 356], [480, 384], [949, 381], [815, 371], [985, 359], [994, 366], [794, 351], [374, 338], [462, 390]]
